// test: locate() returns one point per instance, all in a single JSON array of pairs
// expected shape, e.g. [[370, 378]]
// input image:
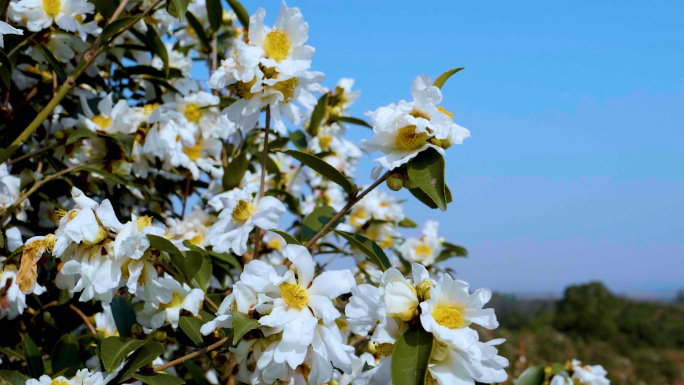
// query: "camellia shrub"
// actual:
[[159, 230]]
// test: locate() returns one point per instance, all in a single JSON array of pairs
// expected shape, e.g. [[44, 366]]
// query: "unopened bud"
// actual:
[[423, 289], [121, 167], [408, 183], [395, 182], [159, 335]]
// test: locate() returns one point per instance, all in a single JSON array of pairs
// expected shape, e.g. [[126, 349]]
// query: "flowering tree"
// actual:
[[157, 231]]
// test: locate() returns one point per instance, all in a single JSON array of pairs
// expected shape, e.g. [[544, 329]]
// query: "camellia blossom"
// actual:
[[6, 29], [40, 14]]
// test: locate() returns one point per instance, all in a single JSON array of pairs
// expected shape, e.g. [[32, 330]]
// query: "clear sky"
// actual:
[[574, 171]]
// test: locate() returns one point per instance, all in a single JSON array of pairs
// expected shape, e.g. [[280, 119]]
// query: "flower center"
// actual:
[[357, 216], [194, 152], [175, 302], [102, 121], [448, 317], [447, 113], [287, 88], [277, 45], [52, 7], [143, 222], [57, 381], [275, 244], [325, 142], [192, 113], [244, 89], [196, 240], [408, 139], [423, 249], [149, 108], [243, 211], [294, 295]]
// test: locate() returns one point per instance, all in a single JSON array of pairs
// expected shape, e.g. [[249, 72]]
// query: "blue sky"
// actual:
[[574, 168]]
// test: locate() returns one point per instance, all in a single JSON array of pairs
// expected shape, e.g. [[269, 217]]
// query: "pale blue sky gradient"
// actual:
[[574, 171]]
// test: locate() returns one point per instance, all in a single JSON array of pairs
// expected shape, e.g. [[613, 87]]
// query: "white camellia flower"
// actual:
[[402, 131], [82, 377], [589, 375], [182, 298], [14, 301], [480, 362], [423, 250], [237, 219], [40, 14], [6, 29], [9, 191], [112, 118], [104, 321]]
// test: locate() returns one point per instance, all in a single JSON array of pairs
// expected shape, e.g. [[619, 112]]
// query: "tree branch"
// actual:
[[193, 354]]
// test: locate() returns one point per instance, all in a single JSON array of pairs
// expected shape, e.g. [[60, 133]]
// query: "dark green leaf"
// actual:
[[317, 115], [314, 222], [214, 14], [158, 379], [322, 167], [33, 356], [411, 356], [426, 170], [2, 240], [190, 246], [114, 349], [115, 26], [226, 257], [291, 202], [371, 249], [423, 197], [126, 143], [196, 373], [80, 133], [235, 171], [193, 264], [124, 316], [191, 327], [199, 29], [451, 251], [287, 237], [143, 356], [65, 353], [239, 10], [534, 375], [242, 324], [177, 8], [357, 121], [406, 222], [203, 276], [6, 69], [105, 7], [12, 378], [299, 139], [112, 177], [162, 244], [53, 62], [439, 82], [157, 45]]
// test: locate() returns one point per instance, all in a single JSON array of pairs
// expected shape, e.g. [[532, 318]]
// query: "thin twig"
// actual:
[[210, 303], [262, 187], [118, 11], [185, 194], [30, 154], [347, 207], [193, 354], [85, 319]]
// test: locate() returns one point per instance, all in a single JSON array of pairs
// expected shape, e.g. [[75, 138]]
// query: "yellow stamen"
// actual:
[[57, 381], [277, 45], [385, 349], [408, 139], [324, 142], [192, 112], [419, 114], [196, 240], [194, 152], [243, 211], [442, 110], [52, 7], [148, 109], [449, 317], [423, 249], [102, 121], [244, 89], [60, 213], [275, 244], [175, 302], [287, 88], [294, 295], [143, 222], [357, 216]]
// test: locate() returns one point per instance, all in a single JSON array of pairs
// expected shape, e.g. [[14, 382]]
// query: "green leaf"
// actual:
[[2, 240], [240, 12], [6, 69], [158, 379], [314, 222], [441, 79], [214, 14], [199, 29], [534, 375], [143, 356], [65, 353], [423, 197], [426, 170], [299, 139], [157, 45], [226, 257], [411, 357], [371, 249], [196, 373], [203, 276], [163, 244], [451, 251], [105, 7], [53, 62], [191, 327], [33, 356], [242, 324], [287, 237], [112, 177], [177, 8], [323, 168], [291, 202], [235, 171], [115, 26], [357, 121], [12, 378], [80, 133], [125, 142], [124, 316], [114, 349], [317, 115], [193, 264], [406, 222]]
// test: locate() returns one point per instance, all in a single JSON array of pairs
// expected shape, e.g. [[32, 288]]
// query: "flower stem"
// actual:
[[84, 318], [193, 354], [262, 187], [352, 201]]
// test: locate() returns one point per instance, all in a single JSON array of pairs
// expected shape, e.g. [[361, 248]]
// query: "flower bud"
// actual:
[[121, 167], [423, 289], [408, 183], [159, 335], [395, 182]]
